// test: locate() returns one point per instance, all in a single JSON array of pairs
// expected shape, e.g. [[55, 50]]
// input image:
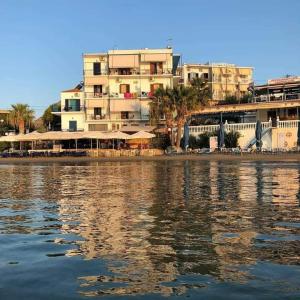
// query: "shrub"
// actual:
[[231, 139], [4, 146]]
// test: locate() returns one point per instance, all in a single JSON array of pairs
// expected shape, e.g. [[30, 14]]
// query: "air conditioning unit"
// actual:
[[98, 117]]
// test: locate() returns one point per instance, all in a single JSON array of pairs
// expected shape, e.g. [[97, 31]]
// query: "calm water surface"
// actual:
[[209, 230]]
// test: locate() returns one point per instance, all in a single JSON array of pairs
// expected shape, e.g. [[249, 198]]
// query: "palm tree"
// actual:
[[176, 104], [185, 102], [201, 90], [21, 115]]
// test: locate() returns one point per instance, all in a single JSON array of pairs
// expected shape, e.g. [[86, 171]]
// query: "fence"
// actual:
[[230, 127]]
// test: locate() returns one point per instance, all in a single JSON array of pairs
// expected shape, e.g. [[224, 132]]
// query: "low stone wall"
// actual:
[[126, 153]]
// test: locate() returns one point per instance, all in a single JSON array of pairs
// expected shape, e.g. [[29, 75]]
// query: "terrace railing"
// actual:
[[288, 124], [276, 97], [228, 127]]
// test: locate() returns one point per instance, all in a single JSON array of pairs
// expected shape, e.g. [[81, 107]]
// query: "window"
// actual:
[[98, 127], [155, 86], [205, 75], [72, 105], [97, 68], [98, 90], [124, 115], [192, 76], [124, 88]]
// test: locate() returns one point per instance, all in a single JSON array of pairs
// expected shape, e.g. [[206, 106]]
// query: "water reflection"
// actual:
[[157, 227]]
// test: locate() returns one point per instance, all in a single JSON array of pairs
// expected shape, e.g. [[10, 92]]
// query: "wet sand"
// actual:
[[284, 157]]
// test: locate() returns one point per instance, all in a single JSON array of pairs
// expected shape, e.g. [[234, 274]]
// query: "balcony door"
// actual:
[[97, 113], [97, 90], [156, 68]]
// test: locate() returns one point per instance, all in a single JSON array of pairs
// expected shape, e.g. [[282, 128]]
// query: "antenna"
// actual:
[[169, 43]]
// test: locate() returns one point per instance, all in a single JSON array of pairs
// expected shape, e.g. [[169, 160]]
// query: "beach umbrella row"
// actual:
[[61, 135]]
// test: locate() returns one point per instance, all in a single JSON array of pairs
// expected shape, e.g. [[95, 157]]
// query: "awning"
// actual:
[[124, 105], [124, 61]]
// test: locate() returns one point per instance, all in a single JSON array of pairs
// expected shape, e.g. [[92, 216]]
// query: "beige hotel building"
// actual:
[[118, 86], [117, 89]]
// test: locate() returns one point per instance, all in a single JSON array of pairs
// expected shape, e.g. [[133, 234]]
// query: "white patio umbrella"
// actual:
[[117, 135], [32, 136], [97, 135], [142, 135], [11, 139]]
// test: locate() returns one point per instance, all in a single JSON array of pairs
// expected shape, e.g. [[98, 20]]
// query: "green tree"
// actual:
[[49, 119], [178, 103], [21, 117]]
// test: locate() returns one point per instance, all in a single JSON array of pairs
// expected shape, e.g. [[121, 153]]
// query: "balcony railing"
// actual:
[[92, 73], [276, 97], [131, 72], [95, 95], [96, 117], [73, 108], [158, 72], [131, 95]]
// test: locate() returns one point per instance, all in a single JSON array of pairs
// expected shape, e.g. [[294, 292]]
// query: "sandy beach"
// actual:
[[282, 157]]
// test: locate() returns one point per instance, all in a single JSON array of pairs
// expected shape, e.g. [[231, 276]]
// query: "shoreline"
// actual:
[[282, 157]]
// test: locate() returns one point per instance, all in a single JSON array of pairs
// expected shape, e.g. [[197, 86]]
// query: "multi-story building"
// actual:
[[72, 109], [223, 79], [117, 89]]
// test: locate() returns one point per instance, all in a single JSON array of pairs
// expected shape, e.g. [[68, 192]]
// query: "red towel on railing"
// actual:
[[127, 95]]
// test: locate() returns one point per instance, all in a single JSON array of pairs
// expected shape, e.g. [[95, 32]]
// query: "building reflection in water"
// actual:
[[154, 223]]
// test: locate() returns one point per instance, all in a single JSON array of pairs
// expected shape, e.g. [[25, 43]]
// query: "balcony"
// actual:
[[73, 108], [92, 95], [141, 95], [94, 117], [135, 72], [92, 73]]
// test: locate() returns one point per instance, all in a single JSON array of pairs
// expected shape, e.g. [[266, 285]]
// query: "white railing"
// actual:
[[276, 97], [203, 129], [229, 127], [288, 124]]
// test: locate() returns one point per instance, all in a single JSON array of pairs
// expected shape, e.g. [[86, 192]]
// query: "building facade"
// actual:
[[117, 89], [223, 79]]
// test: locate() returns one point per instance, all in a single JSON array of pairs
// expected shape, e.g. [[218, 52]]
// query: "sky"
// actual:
[[41, 42]]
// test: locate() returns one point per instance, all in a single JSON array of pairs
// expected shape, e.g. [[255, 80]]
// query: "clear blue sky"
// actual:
[[42, 42]]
